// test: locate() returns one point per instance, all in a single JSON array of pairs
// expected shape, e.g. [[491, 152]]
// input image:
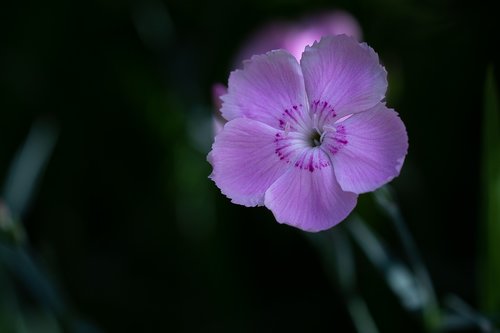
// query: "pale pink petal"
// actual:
[[367, 149], [269, 85], [308, 196], [246, 159], [343, 73], [217, 125], [218, 89]]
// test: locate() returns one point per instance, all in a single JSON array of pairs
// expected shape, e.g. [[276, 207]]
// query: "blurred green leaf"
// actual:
[[461, 316], [9, 309], [405, 285], [11, 231], [490, 210], [13, 319], [52, 316], [28, 166], [338, 259], [17, 261], [430, 307]]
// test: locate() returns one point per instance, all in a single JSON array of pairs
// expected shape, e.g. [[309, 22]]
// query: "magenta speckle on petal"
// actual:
[[284, 147], [342, 141], [292, 118], [337, 139], [323, 111], [311, 164], [289, 114], [311, 161]]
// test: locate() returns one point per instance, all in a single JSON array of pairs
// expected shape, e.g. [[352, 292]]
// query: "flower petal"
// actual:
[[267, 86], [367, 149], [245, 160], [308, 196], [343, 73]]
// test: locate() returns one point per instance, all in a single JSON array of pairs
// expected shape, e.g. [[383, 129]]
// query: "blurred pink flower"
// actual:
[[295, 36]]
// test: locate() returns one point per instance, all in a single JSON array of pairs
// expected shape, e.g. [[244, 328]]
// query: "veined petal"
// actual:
[[344, 74], [308, 196], [269, 89], [367, 149], [246, 160]]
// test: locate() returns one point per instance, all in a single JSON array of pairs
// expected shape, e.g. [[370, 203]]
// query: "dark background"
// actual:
[[125, 221]]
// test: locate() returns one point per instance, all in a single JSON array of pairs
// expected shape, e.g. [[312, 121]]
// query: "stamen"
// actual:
[[343, 118], [315, 121], [322, 137], [287, 128], [329, 128]]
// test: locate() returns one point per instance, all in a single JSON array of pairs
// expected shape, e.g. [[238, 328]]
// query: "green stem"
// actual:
[[489, 242]]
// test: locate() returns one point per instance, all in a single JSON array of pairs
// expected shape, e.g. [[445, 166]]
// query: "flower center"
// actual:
[[315, 139]]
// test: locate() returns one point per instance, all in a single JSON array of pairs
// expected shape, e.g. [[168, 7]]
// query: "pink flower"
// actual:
[[305, 139], [295, 36]]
